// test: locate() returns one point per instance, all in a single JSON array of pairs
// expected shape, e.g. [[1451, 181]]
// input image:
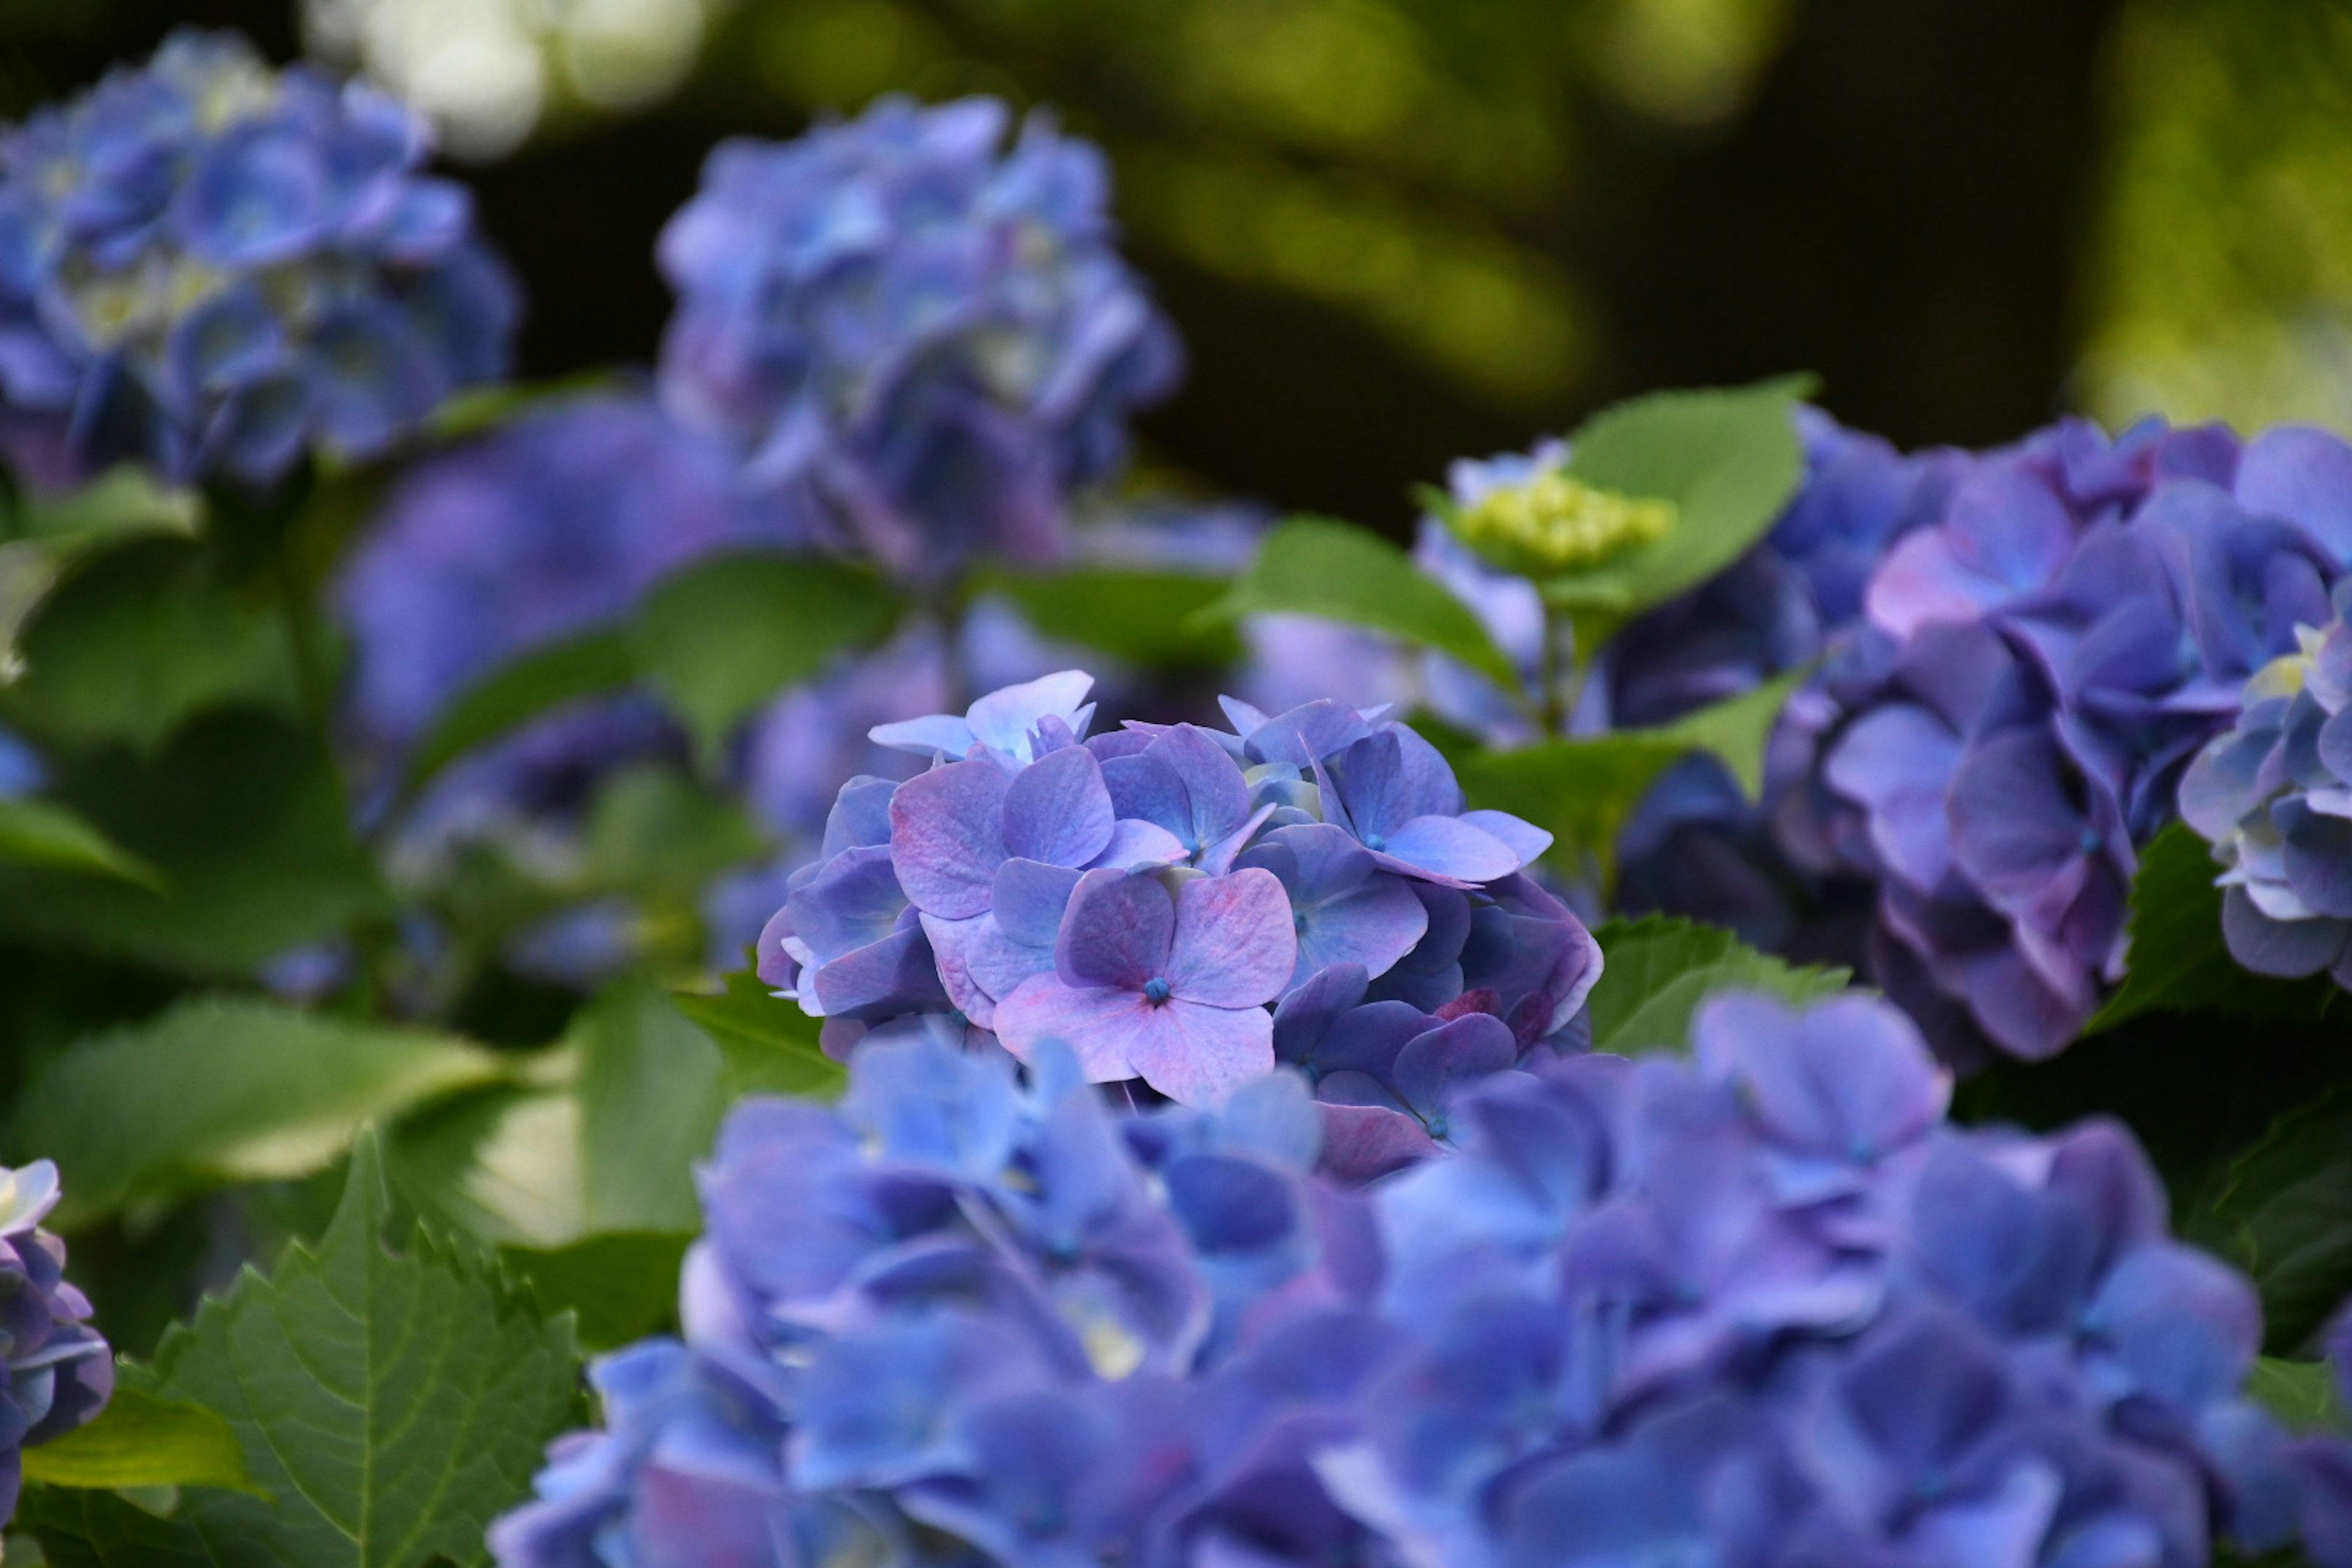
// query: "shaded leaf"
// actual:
[[1728, 459], [1315, 566], [2288, 1212], [48, 532], [1657, 970], [723, 638], [40, 833], [1153, 620], [2300, 1393], [517, 692], [140, 1440], [84, 1528], [1579, 791], [619, 1287], [2177, 961], [653, 831], [223, 1089], [770, 1045], [392, 1406], [244, 819], [1737, 729]]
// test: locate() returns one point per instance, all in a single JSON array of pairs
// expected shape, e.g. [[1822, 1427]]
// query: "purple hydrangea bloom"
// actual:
[[1763, 1307], [925, 336], [2039, 667], [58, 1371], [1146, 896], [2274, 796], [214, 267]]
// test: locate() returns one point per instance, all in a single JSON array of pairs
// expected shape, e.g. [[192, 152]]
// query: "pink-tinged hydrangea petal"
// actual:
[[1117, 931], [1000, 964], [1057, 810], [1135, 845], [1029, 898], [1233, 945], [1097, 1022], [1526, 840], [952, 944], [1446, 850], [1197, 1054], [1364, 1142], [946, 837], [896, 974]]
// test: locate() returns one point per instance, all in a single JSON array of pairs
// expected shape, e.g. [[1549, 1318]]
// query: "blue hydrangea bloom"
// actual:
[[215, 267], [2274, 796], [922, 334], [1147, 895], [58, 1371], [2039, 667], [22, 770], [1765, 1306]]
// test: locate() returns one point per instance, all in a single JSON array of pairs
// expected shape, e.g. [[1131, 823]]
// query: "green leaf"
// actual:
[[606, 1143], [2288, 1210], [722, 639], [653, 831], [38, 833], [144, 640], [140, 1440], [1738, 729], [1315, 566], [2177, 961], [244, 819], [1657, 970], [770, 1045], [392, 1405], [619, 1287], [1581, 791], [2300, 1393], [223, 1089], [50, 532], [1152, 620], [1729, 460], [518, 691], [82, 1529]]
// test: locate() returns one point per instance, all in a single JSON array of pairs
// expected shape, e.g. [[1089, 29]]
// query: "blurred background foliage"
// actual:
[[1395, 231]]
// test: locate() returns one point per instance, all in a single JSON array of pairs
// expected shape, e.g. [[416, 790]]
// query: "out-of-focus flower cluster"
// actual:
[[2274, 798], [923, 336], [1762, 1308], [2039, 667], [1147, 895], [212, 266], [58, 1372]]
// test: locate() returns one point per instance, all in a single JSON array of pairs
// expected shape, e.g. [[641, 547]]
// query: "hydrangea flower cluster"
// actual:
[[1762, 1308], [211, 266], [1146, 896], [2041, 664], [927, 338], [58, 1371], [2274, 798]]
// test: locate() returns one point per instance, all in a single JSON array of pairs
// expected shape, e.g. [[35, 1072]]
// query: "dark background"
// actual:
[[1904, 197]]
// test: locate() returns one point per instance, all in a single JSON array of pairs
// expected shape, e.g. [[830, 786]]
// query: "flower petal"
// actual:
[[946, 837], [1117, 931], [1233, 945]]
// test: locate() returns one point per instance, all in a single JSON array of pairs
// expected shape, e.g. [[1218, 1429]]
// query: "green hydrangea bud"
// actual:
[[1550, 523]]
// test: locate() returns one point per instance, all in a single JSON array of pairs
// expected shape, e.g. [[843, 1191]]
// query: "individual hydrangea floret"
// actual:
[[214, 267], [60, 1372], [1763, 1307], [923, 334], [2274, 796], [1149, 897]]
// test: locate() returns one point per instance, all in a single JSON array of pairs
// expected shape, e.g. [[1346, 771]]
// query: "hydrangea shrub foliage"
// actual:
[[690, 972]]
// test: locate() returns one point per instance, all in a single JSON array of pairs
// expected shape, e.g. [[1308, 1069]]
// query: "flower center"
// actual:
[[2091, 840], [1376, 842], [1156, 991]]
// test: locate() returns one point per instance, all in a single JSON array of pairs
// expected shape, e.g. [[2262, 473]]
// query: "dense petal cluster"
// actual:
[[923, 335], [1148, 896], [1762, 1308], [2274, 798], [59, 1373], [2041, 664], [214, 267]]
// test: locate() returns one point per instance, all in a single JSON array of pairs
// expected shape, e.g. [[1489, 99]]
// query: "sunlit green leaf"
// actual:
[[140, 1440], [1315, 566], [1579, 791], [1657, 970], [1738, 729], [41, 833], [726, 635], [771, 1045], [222, 1090], [2177, 961], [2300, 1393], [1150, 620]]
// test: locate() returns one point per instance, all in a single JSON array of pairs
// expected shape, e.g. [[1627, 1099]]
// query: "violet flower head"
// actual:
[[58, 1371], [215, 267], [2274, 796], [923, 334], [1146, 897]]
